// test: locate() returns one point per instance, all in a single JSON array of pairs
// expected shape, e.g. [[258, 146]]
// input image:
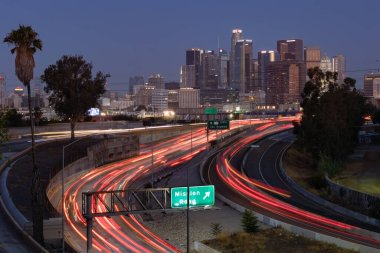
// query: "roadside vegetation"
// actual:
[[273, 240]]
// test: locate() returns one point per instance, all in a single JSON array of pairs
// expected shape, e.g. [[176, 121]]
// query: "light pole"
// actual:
[[152, 158], [188, 196], [63, 191]]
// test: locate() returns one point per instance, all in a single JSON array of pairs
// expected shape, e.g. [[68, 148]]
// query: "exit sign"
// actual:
[[198, 196], [211, 110], [218, 124]]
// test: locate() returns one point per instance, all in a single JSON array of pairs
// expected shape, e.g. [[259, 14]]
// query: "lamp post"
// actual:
[[63, 191], [188, 196]]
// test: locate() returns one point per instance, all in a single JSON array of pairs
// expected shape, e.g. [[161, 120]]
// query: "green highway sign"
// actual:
[[211, 110], [199, 196], [218, 124]]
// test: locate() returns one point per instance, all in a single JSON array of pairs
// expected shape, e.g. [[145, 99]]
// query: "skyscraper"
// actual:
[[339, 66], [135, 80], [372, 88], [157, 81], [312, 57], [187, 76], [290, 49], [264, 57], [237, 34], [209, 71], [193, 57], [326, 64], [243, 72], [222, 69], [285, 82]]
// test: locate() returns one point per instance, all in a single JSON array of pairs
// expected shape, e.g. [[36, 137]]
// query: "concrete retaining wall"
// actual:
[[18, 132], [361, 199], [326, 203], [202, 248]]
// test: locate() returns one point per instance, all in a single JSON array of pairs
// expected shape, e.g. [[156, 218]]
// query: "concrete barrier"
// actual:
[[326, 203], [202, 248]]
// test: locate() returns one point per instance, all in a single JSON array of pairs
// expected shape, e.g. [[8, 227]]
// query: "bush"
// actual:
[[216, 229], [249, 222], [329, 165], [318, 182]]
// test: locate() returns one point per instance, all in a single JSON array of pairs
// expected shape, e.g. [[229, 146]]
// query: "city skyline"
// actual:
[[156, 44]]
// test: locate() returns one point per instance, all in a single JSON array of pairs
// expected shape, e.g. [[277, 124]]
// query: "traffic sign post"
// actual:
[[198, 196], [211, 110], [218, 124]]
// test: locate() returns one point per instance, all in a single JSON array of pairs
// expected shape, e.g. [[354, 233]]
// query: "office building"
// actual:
[[372, 88], [326, 64], [159, 100], [237, 34], [243, 79], [144, 96], [188, 98], [285, 82], [135, 80], [339, 66], [290, 49], [209, 71], [156, 81], [187, 76], [264, 57], [312, 57], [193, 57], [223, 69]]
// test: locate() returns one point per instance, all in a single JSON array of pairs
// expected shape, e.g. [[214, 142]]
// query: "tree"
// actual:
[[12, 118], [26, 42], [332, 116], [37, 113], [73, 89], [249, 222]]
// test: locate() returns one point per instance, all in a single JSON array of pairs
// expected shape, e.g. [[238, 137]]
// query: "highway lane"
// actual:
[[244, 191], [110, 235]]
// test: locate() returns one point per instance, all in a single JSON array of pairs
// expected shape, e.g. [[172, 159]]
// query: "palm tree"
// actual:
[[26, 42]]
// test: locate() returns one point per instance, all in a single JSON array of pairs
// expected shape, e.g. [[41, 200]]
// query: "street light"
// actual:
[[63, 191], [188, 196]]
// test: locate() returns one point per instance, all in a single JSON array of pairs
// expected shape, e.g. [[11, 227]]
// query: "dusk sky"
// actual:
[[127, 38]]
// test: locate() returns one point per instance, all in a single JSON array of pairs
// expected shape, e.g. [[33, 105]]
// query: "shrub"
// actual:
[[216, 229], [249, 222]]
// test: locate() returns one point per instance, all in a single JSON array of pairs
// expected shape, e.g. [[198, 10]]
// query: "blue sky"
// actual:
[[126, 38]]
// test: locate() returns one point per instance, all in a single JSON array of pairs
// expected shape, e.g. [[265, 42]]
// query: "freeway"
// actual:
[[225, 173], [260, 165], [127, 234]]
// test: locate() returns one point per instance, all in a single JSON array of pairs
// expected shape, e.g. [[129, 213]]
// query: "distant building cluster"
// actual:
[[239, 79]]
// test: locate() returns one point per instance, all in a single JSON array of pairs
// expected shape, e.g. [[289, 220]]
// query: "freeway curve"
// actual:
[[126, 234], [260, 188]]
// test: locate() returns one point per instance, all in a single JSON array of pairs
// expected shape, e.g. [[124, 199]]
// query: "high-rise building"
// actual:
[[290, 49], [188, 98], [2, 91], [157, 81], [326, 64], [243, 72], [187, 76], [312, 57], [264, 57], [193, 57], [144, 96], [160, 100], [237, 34], [222, 69], [135, 80], [339, 66], [209, 71], [372, 88], [285, 82]]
